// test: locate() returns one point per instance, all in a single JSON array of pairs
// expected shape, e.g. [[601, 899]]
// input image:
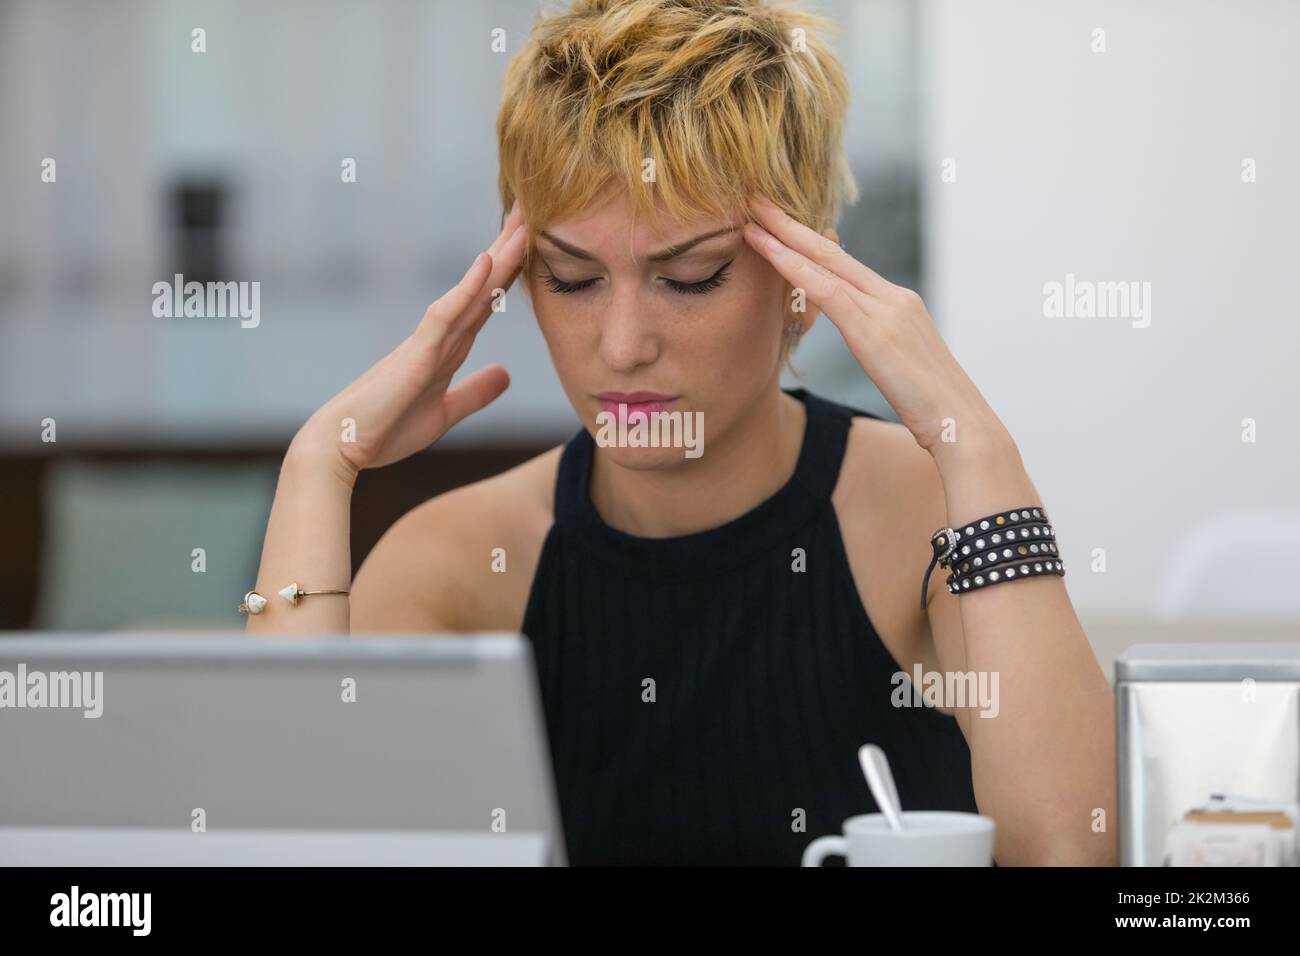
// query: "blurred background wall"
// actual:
[[997, 149], [1171, 159], [227, 165]]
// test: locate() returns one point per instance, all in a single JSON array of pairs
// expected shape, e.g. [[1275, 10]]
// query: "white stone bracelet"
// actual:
[[254, 603]]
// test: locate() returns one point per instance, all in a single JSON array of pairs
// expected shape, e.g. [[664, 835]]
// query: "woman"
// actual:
[[716, 634]]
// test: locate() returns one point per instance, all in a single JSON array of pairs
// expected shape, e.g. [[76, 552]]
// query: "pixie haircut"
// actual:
[[698, 103]]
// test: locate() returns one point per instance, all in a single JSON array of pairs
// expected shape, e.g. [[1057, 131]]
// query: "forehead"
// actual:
[[612, 226]]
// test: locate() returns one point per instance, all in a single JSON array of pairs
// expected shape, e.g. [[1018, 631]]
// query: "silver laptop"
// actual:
[[202, 749]]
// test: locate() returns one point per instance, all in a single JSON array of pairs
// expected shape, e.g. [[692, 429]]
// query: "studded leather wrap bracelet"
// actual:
[[996, 548], [1012, 570]]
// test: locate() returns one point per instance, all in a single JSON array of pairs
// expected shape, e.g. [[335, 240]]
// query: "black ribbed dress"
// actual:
[[766, 680]]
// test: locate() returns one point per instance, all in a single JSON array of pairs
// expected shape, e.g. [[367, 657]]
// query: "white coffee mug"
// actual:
[[928, 838]]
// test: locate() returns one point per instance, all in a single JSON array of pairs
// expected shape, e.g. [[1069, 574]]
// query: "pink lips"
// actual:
[[646, 402]]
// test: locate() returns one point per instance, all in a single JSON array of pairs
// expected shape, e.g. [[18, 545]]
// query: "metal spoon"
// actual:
[[875, 767]]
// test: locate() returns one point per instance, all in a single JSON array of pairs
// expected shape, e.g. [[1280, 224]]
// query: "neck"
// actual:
[[734, 476]]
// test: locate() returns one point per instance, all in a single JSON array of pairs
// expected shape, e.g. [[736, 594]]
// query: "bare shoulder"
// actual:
[[439, 568], [889, 499]]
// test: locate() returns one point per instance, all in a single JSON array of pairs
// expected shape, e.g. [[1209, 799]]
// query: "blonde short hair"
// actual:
[[727, 98]]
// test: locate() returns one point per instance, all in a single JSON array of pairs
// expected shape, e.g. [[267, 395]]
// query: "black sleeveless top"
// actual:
[[766, 680]]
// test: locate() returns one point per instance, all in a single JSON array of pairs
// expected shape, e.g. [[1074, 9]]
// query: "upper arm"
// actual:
[[946, 636], [893, 500], [411, 580], [463, 561], [943, 638]]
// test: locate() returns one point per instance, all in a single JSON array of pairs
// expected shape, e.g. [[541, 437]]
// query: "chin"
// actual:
[[645, 459]]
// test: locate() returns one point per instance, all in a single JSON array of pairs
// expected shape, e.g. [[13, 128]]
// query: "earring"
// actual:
[[793, 331]]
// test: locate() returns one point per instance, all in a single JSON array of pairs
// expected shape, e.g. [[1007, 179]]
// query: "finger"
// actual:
[[459, 298], [475, 392], [465, 307], [456, 299], [816, 247], [512, 222], [843, 303], [422, 346], [506, 265], [439, 316]]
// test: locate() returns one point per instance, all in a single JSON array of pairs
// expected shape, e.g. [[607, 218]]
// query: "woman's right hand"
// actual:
[[402, 403]]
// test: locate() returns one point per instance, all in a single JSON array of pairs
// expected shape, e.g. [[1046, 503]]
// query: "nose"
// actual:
[[629, 337]]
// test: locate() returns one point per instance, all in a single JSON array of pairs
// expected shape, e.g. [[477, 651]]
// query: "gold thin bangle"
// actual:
[[255, 603], [291, 593]]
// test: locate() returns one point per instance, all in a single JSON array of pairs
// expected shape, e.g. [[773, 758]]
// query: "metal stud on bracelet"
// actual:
[[1025, 569], [1025, 552], [1031, 541], [1006, 536]]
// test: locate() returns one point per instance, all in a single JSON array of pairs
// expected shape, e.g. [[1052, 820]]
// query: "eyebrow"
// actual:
[[669, 253]]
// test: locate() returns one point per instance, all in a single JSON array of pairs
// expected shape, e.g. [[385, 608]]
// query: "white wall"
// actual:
[[1125, 165]]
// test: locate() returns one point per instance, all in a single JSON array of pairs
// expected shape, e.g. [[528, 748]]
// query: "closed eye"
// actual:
[[685, 288], [566, 288], [703, 286]]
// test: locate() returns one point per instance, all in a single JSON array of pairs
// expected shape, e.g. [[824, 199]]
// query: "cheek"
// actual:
[[556, 322], [571, 340], [566, 330], [750, 324]]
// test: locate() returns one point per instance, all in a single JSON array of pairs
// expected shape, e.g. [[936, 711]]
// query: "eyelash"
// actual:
[[685, 288]]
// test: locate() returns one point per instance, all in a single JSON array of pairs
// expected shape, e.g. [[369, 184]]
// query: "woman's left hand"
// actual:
[[886, 327]]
